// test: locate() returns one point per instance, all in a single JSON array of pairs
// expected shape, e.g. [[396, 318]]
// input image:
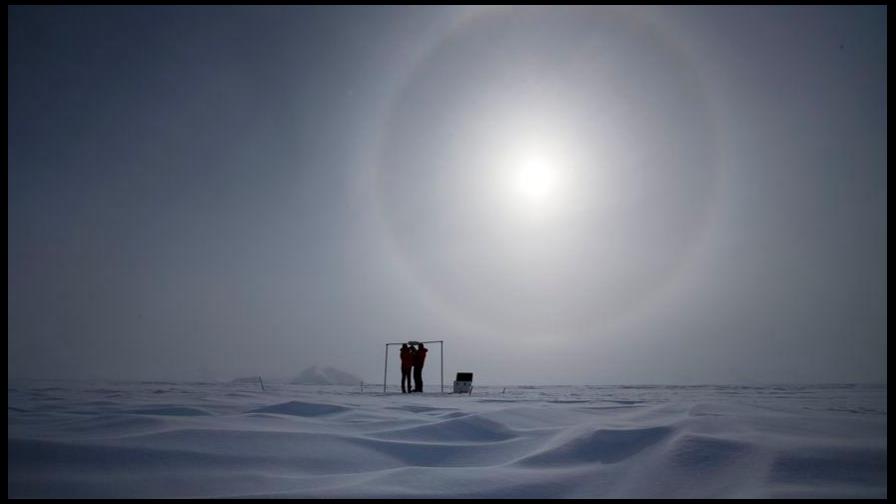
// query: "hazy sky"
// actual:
[[564, 195]]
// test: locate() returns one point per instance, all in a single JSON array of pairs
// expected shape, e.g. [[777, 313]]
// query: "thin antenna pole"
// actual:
[[385, 365], [442, 344]]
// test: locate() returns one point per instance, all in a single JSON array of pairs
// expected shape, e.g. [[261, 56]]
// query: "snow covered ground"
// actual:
[[214, 440]]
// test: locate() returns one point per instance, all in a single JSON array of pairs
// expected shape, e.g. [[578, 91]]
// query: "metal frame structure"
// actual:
[[441, 356]]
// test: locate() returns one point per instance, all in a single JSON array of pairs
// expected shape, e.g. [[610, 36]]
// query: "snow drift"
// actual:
[[220, 440]]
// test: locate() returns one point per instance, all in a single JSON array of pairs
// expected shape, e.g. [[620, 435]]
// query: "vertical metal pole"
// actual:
[[385, 366], [442, 344]]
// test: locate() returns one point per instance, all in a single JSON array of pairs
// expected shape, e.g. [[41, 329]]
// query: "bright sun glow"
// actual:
[[535, 162], [534, 182]]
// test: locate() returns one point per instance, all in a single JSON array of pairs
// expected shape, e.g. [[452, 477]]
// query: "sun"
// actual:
[[534, 183], [533, 163]]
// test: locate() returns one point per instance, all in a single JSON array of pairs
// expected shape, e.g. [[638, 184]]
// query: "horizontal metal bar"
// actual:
[[405, 342]]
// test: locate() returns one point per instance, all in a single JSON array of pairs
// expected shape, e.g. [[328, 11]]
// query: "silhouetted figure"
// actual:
[[419, 359], [407, 362]]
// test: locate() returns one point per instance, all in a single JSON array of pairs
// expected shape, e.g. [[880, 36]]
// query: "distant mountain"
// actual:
[[325, 376]]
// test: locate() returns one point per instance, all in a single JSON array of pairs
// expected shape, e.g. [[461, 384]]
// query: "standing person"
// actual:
[[419, 359], [412, 359], [407, 361]]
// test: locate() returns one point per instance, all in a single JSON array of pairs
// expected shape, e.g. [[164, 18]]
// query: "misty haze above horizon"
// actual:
[[564, 195]]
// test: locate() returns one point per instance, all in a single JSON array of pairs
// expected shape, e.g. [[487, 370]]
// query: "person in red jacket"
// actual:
[[419, 359], [407, 362]]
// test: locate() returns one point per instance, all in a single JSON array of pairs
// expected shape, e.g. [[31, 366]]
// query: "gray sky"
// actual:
[[565, 195]]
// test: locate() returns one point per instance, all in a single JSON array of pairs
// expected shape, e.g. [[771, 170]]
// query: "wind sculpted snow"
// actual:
[[234, 440]]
